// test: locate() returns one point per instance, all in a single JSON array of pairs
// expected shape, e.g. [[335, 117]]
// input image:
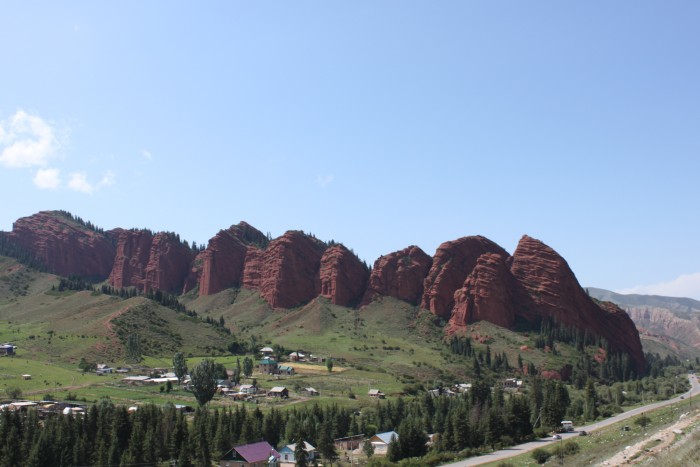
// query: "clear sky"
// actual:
[[379, 124]]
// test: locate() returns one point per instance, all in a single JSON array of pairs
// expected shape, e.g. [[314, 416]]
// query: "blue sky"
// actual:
[[379, 124]]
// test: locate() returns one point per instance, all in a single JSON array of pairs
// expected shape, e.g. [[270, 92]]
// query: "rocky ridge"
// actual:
[[468, 279]]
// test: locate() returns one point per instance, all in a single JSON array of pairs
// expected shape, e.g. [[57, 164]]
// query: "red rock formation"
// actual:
[[486, 295], [194, 274], [168, 264], [343, 277], [290, 267], [452, 263], [133, 252], [400, 275], [546, 286], [252, 272], [63, 245]]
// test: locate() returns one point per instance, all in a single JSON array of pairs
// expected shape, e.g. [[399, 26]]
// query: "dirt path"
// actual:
[[631, 454]]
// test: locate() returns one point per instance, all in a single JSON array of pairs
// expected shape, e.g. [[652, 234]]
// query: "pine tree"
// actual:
[[301, 457]]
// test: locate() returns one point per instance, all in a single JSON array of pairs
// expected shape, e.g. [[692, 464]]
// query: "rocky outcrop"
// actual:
[[452, 263], [168, 264], [487, 294], [253, 271], [546, 287], [343, 277], [131, 259], [223, 261], [290, 267], [399, 275], [64, 245]]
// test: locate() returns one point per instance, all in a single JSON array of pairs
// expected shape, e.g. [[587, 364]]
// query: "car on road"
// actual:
[[556, 437]]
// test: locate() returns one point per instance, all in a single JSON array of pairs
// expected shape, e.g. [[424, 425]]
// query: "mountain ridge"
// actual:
[[293, 269]]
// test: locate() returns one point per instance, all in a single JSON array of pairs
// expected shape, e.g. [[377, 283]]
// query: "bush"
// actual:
[[571, 448], [541, 455]]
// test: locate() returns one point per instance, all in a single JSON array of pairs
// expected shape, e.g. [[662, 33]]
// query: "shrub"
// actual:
[[541, 455]]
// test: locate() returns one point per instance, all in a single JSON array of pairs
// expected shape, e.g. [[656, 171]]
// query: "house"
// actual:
[[136, 380], [267, 351], [311, 392], [267, 366], [104, 369], [296, 356], [349, 443], [26, 376], [278, 391], [287, 458], [380, 441], [512, 383], [376, 394], [285, 370], [247, 389], [249, 455]]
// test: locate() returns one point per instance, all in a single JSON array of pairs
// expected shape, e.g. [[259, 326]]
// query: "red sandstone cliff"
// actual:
[[133, 253], [223, 261], [546, 286], [168, 264], [289, 270], [452, 263], [64, 245], [343, 277], [400, 275], [487, 295]]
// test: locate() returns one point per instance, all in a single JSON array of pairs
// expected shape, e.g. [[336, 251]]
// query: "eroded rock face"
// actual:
[[131, 259], [252, 273], [452, 263], [487, 294], [400, 275], [343, 277], [290, 267], [546, 286], [63, 245], [168, 264], [223, 261]]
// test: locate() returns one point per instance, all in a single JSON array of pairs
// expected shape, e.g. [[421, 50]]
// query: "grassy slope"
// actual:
[[387, 344]]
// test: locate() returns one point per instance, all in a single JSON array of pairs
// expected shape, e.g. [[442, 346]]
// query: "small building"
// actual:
[[285, 370], [136, 380], [376, 394], [296, 356], [7, 349], [249, 455], [247, 389], [278, 391], [267, 366], [311, 392], [26, 376], [267, 351], [287, 458], [380, 441], [512, 383], [349, 443]]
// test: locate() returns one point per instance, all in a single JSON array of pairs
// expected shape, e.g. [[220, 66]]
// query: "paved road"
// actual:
[[531, 446]]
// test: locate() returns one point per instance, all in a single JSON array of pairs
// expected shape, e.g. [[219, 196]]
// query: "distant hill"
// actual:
[[669, 322], [687, 305]]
